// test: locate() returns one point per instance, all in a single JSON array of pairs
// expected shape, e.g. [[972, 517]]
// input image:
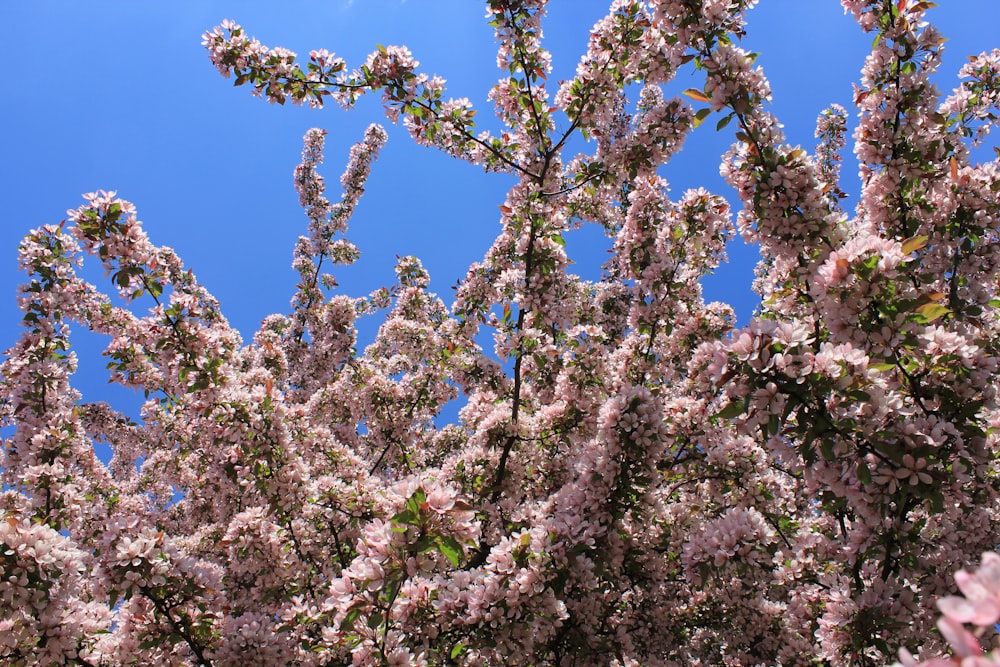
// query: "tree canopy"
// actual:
[[633, 479]]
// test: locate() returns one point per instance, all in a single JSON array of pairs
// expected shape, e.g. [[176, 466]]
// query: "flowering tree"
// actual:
[[632, 479]]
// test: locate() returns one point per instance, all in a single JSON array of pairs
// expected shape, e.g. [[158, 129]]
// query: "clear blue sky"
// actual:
[[119, 94]]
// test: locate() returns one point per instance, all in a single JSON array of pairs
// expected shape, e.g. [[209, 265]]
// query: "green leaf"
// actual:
[[700, 117], [931, 311], [416, 502], [405, 518], [826, 448], [457, 650], [914, 244], [450, 547], [864, 474], [734, 409], [773, 424], [722, 123], [696, 94], [891, 449], [424, 544]]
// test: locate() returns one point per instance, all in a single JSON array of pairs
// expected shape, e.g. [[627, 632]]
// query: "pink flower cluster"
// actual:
[[631, 479], [979, 605]]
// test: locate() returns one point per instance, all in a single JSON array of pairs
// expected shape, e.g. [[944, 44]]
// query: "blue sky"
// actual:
[[119, 94]]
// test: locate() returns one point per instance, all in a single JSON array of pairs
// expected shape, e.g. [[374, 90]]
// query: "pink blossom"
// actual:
[[632, 478]]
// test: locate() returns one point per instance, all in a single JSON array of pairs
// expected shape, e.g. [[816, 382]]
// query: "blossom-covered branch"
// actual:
[[631, 479]]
